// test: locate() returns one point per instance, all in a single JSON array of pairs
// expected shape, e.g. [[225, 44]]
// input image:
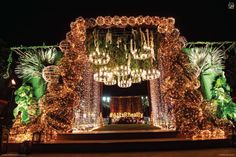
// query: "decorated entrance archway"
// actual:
[[166, 95]]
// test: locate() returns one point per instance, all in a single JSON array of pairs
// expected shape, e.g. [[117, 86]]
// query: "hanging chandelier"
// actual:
[[122, 57], [124, 82]]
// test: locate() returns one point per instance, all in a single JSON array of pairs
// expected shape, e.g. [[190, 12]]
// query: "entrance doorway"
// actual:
[[125, 110]]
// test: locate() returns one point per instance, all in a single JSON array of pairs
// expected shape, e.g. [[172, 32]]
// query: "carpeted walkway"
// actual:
[[114, 127]]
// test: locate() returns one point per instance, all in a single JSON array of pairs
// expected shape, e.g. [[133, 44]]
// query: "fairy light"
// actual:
[[154, 102]]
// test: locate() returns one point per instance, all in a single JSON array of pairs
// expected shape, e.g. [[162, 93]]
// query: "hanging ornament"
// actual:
[[51, 73]]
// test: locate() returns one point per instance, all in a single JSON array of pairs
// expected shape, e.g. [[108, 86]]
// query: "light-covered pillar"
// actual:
[[87, 112]]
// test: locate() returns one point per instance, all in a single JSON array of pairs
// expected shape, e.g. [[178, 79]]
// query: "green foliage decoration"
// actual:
[[226, 108], [30, 65], [26, 104]]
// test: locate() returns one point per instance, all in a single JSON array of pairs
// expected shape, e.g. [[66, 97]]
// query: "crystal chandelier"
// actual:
[[124, 64]]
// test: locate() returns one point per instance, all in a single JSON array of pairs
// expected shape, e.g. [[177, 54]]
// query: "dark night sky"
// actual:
[[30, 22]]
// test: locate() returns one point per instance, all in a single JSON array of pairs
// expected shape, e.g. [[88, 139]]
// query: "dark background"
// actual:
[[30, 22]]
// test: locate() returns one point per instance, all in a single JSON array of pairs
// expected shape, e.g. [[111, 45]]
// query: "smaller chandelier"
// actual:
[[99, 56], [110, 82], [150, 74], [124, 83]]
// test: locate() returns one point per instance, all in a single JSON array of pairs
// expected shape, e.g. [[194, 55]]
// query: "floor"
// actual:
[[219, 152]]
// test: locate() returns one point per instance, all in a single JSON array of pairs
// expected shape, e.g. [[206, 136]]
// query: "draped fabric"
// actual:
[[130, 104]]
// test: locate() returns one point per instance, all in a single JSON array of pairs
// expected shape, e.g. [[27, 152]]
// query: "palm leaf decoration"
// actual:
[[207, 62], [207, 59], [31, 63]]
